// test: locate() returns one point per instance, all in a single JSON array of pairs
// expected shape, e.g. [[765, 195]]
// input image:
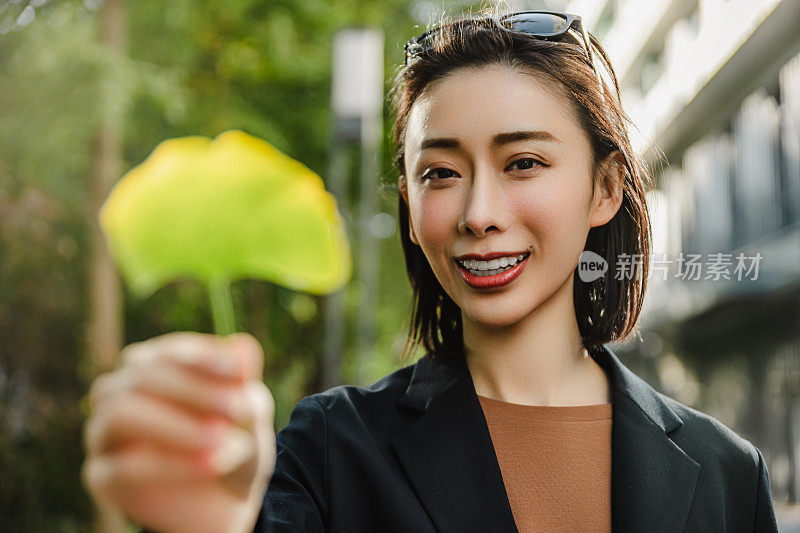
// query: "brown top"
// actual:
[[556, 463]]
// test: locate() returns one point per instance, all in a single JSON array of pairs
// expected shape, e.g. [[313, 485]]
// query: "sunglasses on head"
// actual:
[[546, 25]]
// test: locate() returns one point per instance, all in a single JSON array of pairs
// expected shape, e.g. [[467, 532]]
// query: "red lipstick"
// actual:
[[496, 280]]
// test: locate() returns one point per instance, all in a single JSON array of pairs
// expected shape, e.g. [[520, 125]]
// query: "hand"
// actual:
[[181, 435]]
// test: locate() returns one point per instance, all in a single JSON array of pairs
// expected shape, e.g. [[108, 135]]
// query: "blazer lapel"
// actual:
[[449, 458], [653, 480], [448, 453]]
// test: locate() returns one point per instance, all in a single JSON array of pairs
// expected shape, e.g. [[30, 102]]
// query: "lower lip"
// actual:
[[496, 280]]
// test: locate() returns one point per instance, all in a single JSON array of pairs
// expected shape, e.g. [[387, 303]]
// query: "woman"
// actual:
[[514, 161]]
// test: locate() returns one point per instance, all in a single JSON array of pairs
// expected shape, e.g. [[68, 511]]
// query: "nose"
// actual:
[[486, 206]]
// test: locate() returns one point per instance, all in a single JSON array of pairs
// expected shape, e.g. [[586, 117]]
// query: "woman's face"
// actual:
[[483, 188]]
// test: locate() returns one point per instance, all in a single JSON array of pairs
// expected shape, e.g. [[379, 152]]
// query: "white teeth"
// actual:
[[482, 273], [494, 264]]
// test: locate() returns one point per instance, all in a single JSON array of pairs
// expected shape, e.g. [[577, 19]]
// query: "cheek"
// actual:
[[551, 206], [557, 215], [435, 216]]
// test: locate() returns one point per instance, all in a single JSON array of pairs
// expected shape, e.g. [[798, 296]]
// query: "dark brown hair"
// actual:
[[606, 309]]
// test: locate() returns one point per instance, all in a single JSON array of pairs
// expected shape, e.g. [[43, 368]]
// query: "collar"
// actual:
[[431, 378], [448, 456]]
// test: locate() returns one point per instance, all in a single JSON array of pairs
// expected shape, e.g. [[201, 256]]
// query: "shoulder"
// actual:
[[385, 391], [731, 467], [345, 408], [720, 450]]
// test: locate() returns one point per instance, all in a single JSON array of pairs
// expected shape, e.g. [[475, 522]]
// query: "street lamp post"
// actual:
[[357, 103]]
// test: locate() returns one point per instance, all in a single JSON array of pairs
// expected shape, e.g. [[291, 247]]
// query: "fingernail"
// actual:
[[236, 448]]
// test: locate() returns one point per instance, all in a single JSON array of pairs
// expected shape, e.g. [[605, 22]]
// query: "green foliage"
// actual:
[[222, 210], [226, 209], [192, 67]]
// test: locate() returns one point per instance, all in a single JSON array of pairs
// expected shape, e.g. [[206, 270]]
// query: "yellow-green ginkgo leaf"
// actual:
[[230, 208]]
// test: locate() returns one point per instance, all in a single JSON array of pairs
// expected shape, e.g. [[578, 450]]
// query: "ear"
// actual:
[[608, 192], [403, 187]]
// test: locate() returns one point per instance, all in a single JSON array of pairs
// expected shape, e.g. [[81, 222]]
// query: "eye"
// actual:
[[527, 162], [432, 172]]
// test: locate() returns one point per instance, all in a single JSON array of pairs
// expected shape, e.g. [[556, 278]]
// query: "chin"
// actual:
[[489, 316]]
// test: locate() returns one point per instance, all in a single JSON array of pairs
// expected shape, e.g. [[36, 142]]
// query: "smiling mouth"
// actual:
[[491, 278]]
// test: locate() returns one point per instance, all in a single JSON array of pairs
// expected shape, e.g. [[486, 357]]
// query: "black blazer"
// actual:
[[412, 453]]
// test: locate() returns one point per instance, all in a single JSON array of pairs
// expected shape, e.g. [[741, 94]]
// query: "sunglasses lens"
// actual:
[[543, 25], [537, 23]]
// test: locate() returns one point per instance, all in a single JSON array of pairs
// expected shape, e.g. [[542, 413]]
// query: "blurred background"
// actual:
[[89, 87]]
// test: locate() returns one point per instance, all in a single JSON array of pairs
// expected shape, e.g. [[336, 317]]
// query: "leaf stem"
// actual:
[[219, 290]]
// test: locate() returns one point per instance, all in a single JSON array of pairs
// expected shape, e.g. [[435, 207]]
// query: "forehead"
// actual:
[[474, 104]]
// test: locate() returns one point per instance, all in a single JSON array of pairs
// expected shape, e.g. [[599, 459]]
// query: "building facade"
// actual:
[[712, 88]]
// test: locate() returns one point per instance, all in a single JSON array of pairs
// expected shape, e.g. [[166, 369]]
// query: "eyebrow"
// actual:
[[499, 139]]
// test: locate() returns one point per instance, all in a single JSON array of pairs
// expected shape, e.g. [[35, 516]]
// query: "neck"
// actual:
[[539, 360]]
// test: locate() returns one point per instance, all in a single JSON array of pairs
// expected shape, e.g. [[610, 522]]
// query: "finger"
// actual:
[[108, 475], [250, 352], [261, 401], [264, 434], [261, 433], [264, 411], [163, 491], [134, 417], [172, 382], [103, 386], [202, 352]]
